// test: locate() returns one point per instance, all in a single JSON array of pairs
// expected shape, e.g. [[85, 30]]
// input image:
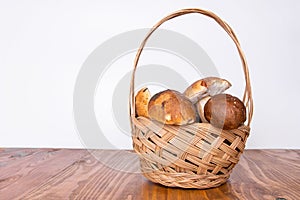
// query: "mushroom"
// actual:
[[200, 108], [225, 111], [209, 86], [196, 91], [172, 107], [141, 102], [216, 85]]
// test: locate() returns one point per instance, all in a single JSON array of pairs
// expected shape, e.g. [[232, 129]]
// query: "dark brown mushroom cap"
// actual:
[[225, 111]]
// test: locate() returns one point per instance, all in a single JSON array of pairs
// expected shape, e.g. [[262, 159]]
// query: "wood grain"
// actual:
[[114, 174]]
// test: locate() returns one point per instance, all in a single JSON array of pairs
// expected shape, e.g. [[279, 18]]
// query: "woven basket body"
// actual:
[[191, 156]]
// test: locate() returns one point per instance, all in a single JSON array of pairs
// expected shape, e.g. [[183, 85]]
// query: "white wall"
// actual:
[[43, 45]]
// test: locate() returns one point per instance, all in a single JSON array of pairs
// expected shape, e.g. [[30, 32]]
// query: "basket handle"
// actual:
[[247, 98]]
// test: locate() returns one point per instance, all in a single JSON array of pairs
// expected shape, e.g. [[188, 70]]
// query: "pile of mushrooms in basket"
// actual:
[[204, 101]]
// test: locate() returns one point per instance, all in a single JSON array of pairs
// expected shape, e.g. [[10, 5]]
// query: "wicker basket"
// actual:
[[191, 156]]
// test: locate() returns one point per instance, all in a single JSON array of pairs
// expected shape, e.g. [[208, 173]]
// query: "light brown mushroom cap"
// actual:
[[209, 86], [216, 85], [195, 91], [172, 107], [141, 102]]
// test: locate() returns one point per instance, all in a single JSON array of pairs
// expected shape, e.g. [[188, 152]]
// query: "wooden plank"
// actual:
[[267, 174], [114, 174], [101, 176], [23, 169]]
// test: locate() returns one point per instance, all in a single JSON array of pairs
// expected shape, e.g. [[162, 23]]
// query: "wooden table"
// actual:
[[114, 174]]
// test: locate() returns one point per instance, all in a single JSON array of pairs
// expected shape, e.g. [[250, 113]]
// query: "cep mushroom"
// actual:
[[209, 86], [225, 111], [200, 108], [141, 102], [172, 107]]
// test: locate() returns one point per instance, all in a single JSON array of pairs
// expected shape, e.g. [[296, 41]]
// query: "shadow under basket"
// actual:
[[197, 155]]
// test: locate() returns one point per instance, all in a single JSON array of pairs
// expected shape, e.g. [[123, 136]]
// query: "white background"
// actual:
[[44, 43]]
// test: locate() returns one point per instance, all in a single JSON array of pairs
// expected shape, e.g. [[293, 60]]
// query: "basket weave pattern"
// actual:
[[191, 156]]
